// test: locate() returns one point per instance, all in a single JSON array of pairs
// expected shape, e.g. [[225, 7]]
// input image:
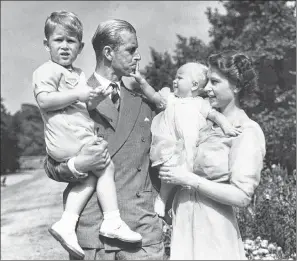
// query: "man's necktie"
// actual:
[[115, 97]]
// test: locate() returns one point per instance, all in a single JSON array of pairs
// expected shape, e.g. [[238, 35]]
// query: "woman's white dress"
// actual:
[[204, 229]]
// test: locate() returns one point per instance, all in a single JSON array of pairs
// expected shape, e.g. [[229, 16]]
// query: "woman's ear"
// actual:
[[108, 53]]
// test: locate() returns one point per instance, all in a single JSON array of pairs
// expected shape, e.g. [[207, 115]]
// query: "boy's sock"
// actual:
[[69, 219], [112, 218]]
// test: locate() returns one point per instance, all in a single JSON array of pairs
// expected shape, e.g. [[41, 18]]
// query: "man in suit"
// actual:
[[124, 120]]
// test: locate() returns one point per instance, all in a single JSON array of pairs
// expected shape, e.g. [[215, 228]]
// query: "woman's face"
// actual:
[[219, 89]]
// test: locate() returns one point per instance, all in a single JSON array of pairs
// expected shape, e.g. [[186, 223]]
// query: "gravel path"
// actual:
[[30, 203]]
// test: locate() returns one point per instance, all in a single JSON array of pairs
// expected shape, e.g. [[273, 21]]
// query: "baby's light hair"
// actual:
[[68, 20], [198, 72]]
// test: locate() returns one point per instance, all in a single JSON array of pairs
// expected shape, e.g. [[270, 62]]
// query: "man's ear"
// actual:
[[108, 52], [45, 43]]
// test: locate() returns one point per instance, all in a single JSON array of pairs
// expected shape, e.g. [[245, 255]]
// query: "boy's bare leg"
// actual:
[[106, 190], [161, 199], [64, 229], [112, 226]]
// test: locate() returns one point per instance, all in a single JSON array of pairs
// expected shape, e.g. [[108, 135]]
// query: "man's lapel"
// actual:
[[105, 108], [129, 110]]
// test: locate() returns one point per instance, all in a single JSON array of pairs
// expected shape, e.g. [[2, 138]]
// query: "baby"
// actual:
[[175, 130], [64, 100]]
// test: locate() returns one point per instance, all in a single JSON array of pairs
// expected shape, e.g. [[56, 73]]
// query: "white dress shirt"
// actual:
[[105, 83]]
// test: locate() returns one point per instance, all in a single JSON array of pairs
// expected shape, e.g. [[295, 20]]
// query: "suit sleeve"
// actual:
[[58, 171]]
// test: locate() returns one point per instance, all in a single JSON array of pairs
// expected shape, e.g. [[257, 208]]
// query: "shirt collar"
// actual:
[[105, 82]]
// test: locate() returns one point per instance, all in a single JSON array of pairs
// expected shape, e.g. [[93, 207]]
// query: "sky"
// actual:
[[22, 23]]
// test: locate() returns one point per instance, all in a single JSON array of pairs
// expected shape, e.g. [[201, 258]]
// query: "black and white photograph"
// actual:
[[148, 130]]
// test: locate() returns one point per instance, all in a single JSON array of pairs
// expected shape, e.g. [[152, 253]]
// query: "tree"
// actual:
[[265, 30], [189, 50], [28, 125], [10, 152], [161, 70]]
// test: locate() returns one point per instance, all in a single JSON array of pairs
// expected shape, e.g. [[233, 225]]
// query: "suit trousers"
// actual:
[[152, 252]]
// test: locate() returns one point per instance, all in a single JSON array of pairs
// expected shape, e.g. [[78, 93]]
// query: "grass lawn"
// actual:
[[30, 203]]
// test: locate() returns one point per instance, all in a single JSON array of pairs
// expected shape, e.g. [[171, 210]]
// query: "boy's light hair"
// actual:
[[68, 20]]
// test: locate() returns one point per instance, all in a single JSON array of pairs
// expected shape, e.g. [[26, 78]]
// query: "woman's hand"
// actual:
[[177, 176]]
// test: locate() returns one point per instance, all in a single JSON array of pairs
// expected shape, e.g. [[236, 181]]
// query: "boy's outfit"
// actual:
[[127, 131], [68, 129]]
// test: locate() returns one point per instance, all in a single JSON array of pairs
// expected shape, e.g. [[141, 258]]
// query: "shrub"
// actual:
[[272, 214]]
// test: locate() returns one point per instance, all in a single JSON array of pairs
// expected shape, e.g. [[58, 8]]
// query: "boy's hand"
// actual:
[[85, 92], [100, 94], [230, 130], [137, 76]]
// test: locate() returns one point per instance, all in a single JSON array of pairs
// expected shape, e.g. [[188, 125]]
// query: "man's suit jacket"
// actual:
[[129, 137]]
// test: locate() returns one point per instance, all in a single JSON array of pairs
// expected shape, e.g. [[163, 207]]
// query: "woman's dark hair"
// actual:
[[238, 68]]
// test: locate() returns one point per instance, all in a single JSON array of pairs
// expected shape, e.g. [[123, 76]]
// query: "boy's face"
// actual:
[[63, 46], [183, 83]]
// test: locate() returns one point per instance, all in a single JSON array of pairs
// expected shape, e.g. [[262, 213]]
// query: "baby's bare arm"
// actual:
[[152, 95], [223, 123]]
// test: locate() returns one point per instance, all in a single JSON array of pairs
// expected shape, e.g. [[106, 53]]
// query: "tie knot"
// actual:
[[114, 85]]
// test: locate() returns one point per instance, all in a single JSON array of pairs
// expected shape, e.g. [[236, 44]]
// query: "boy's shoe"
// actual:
[[68, 239], [121, 232]]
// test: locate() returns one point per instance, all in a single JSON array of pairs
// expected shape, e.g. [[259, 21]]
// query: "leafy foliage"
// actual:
[[161, 70], [28, 126], [272, 215], [10, 151], [265, 30]]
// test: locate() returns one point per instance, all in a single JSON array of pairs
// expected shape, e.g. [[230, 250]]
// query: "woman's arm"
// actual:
[[224, 193], [245, 160]]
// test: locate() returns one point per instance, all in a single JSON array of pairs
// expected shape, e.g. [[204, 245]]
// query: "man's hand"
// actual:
[[93, 156]]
